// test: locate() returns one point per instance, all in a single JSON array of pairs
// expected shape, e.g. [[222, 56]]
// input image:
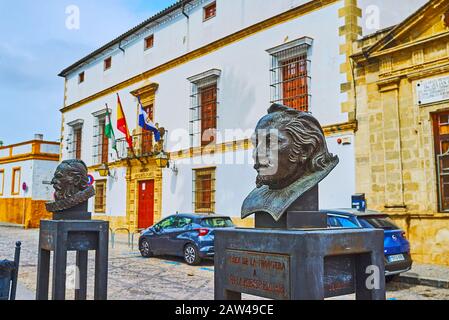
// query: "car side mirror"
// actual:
[[157, 229]]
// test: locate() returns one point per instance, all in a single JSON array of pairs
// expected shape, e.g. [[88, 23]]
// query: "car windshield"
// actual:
[[217, 223], [378, 223]]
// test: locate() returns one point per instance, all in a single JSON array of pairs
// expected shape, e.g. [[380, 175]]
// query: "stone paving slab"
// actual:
[[427, 275], [132, 277]]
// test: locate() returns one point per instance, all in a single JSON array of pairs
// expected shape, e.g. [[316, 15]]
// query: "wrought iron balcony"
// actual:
[[143, 144]]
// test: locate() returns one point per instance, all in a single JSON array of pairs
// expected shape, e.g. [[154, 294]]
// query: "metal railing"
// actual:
[[143, 145], [130, 236]]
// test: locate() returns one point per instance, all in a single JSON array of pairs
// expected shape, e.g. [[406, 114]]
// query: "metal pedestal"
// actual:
[[299, 265], [61, 236]]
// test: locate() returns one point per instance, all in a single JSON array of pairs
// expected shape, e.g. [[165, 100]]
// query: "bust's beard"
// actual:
[[280, 183], [66, 193]]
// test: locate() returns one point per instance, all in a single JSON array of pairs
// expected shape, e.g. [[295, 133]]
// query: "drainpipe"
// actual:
[[188, 25], [120, 47]]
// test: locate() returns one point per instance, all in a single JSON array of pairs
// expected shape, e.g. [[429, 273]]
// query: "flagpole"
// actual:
[[113, 135], [127, 129]]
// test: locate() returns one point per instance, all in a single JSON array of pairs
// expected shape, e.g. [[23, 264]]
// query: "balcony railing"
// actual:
[[143, 145]]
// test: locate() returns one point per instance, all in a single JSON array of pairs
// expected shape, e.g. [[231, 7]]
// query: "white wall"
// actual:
[[244, 96], [49, 148], [235, 180], [33, 173], [244, 92], [174, 38], [336, 190], [43, 171], [26, 175], [115, 193]]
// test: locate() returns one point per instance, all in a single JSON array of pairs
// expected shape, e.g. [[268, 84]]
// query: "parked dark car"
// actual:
[[397, 247], [190, 236]]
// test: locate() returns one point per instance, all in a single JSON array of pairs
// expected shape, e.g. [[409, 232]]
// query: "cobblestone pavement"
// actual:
[[132, 277]]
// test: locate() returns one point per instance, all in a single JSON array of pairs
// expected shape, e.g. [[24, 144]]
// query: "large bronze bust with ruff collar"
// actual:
[[291, 157], [71, 184]]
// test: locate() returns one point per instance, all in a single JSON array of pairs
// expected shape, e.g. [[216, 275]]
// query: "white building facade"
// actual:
[[25, 172], [206, 71]]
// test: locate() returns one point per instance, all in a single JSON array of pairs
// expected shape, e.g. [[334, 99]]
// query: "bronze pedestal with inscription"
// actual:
[[298, 265], [291, 255], [72, 230]]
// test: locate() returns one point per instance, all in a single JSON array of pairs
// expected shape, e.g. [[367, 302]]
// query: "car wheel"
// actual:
[[144, 248], [191, 255]]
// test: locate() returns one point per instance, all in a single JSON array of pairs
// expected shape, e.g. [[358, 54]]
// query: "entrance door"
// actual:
[[146, 204]]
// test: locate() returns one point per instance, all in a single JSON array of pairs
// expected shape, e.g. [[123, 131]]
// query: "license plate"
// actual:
[[396, 258]]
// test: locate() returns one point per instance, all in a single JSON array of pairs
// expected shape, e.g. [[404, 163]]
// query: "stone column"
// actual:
[[394, 184]]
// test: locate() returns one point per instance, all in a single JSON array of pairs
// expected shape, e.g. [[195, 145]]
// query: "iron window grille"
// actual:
[[204, 190], [290, 74], [100, 141], [204, 103], [74, 139]]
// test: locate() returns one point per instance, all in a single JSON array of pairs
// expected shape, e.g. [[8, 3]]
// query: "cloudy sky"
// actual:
[[35, 46]]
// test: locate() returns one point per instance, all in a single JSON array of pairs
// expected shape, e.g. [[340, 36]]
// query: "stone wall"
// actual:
[[395, 154]]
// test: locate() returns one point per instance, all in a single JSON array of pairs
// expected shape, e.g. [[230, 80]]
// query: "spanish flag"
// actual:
[[122, 126]]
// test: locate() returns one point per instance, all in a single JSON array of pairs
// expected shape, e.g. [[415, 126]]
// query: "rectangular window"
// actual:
[[2, 182], [441, 135], [149, 42], [78, 137], [15, 187], [204, 190], [101, 145], [290, 76], [100, 196], [81, 77], [208, 106], [295, 86], [108, 63], [204, 105], [210, 11]]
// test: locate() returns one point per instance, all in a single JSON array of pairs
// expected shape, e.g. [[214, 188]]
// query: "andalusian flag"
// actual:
[[122, 126], [108, 130]]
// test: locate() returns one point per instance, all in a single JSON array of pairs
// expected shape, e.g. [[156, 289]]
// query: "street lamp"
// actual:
[[162, 160], [103, 170]]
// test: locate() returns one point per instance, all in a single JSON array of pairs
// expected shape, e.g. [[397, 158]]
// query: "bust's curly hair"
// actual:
[[77, 171], [309, 142]]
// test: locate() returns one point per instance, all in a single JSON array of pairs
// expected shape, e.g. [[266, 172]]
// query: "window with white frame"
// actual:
[[290, 74], [100, 140], [204, 190], [75, 139], [203, 108]]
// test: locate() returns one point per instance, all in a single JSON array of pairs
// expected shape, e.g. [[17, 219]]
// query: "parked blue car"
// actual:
[[190, 236], [396, 245]]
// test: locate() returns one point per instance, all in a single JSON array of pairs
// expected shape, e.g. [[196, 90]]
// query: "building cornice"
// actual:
[[231, 146], [30, 156]]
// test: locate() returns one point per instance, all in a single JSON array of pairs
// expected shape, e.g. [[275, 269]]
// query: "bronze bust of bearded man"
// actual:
[[71, 184], [289, 166]]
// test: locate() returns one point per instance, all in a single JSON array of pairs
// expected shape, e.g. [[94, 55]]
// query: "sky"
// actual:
[[35, 45]]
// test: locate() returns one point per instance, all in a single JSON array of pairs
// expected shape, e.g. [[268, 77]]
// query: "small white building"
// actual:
[[25, 172], [207, 71]]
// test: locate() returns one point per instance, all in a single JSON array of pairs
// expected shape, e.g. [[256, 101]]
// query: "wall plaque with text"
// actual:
[[433, 90]]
